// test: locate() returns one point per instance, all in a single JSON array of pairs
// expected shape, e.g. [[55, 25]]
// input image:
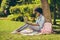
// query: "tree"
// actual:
[[0, 2], [58, 8], [12, 2], [55, 15], [53, 4], [47, 14], [5, 7], [46, 10]]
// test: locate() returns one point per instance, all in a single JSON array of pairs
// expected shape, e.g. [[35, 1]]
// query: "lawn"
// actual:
[[6, 27]]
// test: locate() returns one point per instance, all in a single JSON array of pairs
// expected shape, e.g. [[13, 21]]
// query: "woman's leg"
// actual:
[[22, 28], [34, 28]]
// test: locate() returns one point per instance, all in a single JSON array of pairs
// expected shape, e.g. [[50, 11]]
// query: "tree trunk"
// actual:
[[53, 4], [58, 8], [47, 15], [55, 15], [46, 11], [0, 2]]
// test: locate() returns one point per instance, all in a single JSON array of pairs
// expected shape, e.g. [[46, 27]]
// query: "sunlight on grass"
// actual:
[[6, 27], [9, 25]]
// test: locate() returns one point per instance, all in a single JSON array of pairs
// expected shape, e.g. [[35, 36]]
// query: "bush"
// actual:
[[2, 14], [25, 10], [20, 18], [14, 17]]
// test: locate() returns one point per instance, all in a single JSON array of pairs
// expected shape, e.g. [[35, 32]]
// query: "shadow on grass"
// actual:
[[57, 31], [58, 24], [56, 28]]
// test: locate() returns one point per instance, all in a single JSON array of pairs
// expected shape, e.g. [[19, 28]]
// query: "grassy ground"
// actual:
[[6, 27]]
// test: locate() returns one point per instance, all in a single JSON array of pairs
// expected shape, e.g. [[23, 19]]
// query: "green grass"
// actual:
[[6, 27]]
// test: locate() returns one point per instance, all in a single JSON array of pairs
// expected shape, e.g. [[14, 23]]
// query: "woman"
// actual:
[[38, 24]]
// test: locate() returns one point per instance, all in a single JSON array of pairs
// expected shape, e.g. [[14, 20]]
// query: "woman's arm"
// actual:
[[33, 24]]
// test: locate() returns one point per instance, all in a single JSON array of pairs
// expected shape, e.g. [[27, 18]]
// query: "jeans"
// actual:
[[34, 28]]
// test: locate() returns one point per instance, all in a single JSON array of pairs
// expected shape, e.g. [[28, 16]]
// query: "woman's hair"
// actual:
[[39, 10]]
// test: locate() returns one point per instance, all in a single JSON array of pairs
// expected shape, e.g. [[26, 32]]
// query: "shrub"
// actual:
[[2, 14], [14, 17], [25, 10], [20, 18]]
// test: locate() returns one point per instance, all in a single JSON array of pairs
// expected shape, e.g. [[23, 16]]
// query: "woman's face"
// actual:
[[37, 14]]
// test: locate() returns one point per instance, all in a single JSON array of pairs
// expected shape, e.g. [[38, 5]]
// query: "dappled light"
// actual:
[[40, 17]]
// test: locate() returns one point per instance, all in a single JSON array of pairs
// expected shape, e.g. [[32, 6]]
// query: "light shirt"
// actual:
[[40, 20]]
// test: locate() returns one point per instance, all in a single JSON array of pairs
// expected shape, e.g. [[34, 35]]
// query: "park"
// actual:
[[12, 13]]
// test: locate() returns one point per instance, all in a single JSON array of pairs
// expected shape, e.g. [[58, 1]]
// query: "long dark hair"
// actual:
[[39, 10]]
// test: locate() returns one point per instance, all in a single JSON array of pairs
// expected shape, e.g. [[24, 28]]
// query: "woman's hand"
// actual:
[[29, 23]]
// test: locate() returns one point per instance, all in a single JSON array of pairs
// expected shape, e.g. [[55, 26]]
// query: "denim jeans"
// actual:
[[34, 28]]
